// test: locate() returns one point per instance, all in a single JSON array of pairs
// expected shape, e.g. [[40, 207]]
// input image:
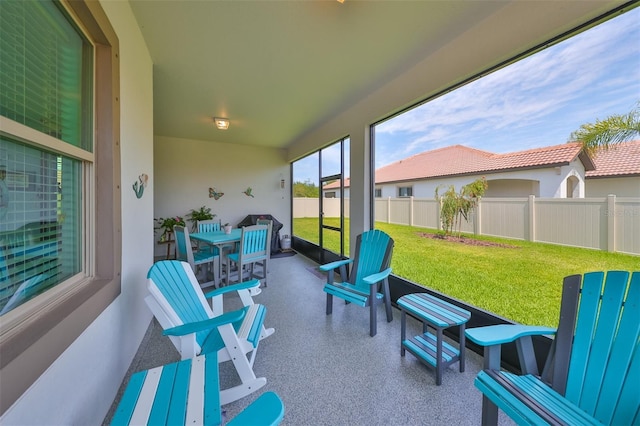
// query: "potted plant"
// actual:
[[166, 224], [227, 228], [203, 213]]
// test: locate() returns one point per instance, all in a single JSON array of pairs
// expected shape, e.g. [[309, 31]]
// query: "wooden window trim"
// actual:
[[31, 344]]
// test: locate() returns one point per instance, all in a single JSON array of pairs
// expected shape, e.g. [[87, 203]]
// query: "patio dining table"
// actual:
[[218, 239]]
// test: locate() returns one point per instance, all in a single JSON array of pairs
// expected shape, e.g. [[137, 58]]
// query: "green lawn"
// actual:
[[522, 283]]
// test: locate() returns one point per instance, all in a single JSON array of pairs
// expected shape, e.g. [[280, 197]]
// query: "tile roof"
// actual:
[[622, 159], [619, 160], [461, 160]]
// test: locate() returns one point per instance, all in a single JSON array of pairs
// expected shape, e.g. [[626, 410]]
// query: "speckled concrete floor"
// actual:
[[327, 369]]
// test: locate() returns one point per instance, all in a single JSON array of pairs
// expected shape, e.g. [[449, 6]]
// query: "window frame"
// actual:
[[34, 335], [408, 190]]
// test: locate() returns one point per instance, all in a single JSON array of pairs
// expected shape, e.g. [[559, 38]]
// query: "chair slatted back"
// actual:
[[184, 251], [604, 364], [372, 255], [211, 225], [185, 392], [254, 242], [174, 281], [269, 224]]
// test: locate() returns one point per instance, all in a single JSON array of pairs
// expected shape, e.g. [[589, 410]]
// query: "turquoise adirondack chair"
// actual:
[[188, 393], [592, 374], [370, 270], [179, 305]]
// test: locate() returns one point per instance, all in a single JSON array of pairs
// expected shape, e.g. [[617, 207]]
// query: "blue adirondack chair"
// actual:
[[188, 393], [370, 270], [592, 374], [179, 305]]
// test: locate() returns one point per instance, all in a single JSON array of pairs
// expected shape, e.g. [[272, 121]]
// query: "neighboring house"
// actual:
[[559, 171], [617, 171]]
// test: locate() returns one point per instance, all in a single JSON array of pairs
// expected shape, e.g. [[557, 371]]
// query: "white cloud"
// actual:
[[591, 72]]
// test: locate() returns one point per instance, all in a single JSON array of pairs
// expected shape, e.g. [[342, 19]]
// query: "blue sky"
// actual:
[[535, 102]]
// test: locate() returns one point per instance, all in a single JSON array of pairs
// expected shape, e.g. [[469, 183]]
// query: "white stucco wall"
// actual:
[[79, 387], [186, 169], [621, 187], [546, 183]]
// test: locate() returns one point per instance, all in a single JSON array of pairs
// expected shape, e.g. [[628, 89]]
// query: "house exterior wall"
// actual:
[[549, 182], [79, 387], [621, 187], [544, 182], [512, 188]]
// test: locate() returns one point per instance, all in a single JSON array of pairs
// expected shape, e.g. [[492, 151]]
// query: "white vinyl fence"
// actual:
[[605, 223]]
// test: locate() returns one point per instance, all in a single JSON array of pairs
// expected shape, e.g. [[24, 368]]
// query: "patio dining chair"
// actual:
[[195, 328], [197, 259], [213, 225], [592, 370], [269, 223], [367, 283], [253, 250], [210, 225]]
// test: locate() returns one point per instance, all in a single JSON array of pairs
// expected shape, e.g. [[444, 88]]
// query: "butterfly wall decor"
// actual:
[[214, 194], [248, 192]]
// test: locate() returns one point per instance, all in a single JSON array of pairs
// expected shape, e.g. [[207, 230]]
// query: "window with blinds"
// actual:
[[45, 84], [42, 80]]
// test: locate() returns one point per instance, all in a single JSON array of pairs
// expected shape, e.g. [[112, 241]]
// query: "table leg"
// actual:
[[439, 356], [403, 331], [463, 344]]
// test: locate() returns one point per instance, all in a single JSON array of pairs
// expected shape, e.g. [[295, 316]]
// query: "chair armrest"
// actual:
[[207, 324], [376, 278], [505, 333], [246, 285], [268, 409], [492, 337], [334, 265]]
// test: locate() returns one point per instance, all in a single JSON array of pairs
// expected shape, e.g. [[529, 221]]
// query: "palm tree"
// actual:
[[611, 130]]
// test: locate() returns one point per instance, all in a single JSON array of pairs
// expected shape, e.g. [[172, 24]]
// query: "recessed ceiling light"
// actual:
[[221, 123]]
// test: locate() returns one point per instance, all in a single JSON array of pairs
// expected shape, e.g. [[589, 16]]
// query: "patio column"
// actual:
[[360, 174]]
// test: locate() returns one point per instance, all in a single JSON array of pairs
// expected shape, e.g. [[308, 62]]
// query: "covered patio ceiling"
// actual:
[[285, 71]]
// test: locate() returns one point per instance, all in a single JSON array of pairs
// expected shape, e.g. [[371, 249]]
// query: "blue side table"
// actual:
[[439, 315]]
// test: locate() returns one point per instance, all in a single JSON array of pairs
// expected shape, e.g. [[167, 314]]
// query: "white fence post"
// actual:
[[532, 218], [611, 223], [388, 209], [411, 211]]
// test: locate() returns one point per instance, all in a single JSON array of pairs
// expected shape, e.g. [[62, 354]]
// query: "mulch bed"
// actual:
[[465, 240]]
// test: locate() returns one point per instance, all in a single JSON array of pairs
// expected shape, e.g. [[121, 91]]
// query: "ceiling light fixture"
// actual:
[[221, 123]]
